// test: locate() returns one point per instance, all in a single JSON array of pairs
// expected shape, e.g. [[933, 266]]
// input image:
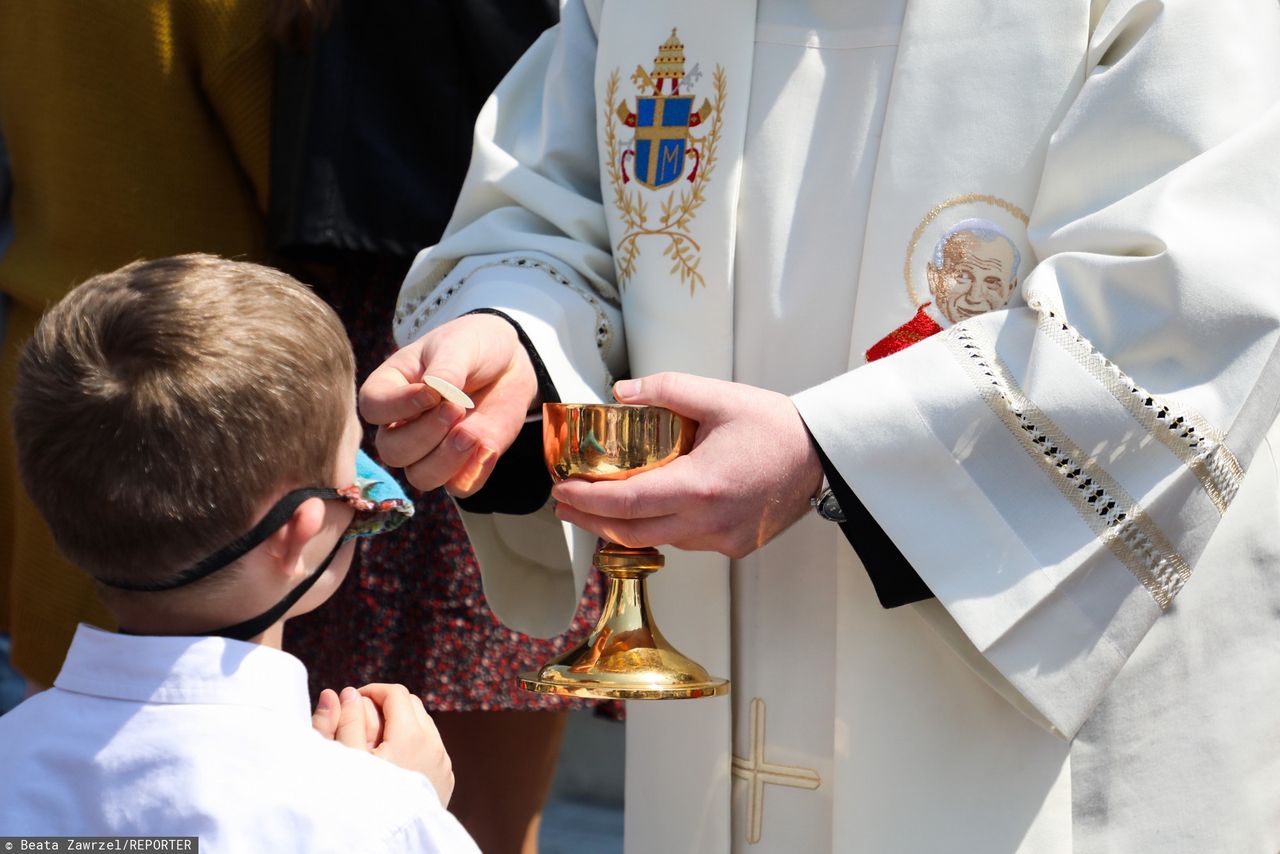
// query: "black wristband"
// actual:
[[546, 388], [520, 483]]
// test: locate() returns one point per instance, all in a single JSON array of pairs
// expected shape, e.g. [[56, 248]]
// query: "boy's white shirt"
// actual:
[[1148, 216], [207, 737]]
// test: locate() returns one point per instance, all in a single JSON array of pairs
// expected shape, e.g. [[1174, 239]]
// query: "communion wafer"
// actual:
[[449, 391]]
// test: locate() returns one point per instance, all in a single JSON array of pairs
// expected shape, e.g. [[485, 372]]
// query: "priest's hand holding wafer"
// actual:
[[750, 475], [419, 399]]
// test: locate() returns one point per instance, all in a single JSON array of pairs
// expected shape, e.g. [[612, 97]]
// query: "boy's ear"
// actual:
[[285, 546]]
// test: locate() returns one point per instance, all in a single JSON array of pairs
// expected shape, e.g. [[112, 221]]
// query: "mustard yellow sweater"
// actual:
[[136, 129]]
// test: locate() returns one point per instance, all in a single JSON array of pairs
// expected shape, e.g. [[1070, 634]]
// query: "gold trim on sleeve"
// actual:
[[1187, 435], [1114, 517]]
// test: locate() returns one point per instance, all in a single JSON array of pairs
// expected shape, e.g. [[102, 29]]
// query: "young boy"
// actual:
[[188, 429]]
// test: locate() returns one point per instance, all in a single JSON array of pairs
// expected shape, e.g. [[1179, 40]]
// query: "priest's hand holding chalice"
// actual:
[[681, 460]]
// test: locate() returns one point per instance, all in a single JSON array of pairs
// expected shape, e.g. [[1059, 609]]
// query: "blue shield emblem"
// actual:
[[662, 131]]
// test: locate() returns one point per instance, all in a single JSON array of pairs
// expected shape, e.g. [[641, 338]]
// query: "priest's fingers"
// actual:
[[469, 353], [624, 532], [674, 488], [471, 477], [394, 391], [459, 456], [464, 459], [325, 719], [679, 530], [482, 356], [405, 442], [696, 397], [351, 723]]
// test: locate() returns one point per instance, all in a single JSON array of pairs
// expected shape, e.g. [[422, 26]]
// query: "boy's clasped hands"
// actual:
[[392, 724]]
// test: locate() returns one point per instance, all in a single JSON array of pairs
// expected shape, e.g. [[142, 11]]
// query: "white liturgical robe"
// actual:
[[1012, 263]]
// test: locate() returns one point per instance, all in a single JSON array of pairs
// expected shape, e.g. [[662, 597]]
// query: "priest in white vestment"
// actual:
[[1050, 621]]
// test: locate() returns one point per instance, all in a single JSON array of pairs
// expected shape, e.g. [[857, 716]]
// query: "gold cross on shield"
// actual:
[[756, 771], [656, 133]]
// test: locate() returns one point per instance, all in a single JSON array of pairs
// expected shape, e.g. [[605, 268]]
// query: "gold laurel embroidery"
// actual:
[[1114, 517], [1187, 435], [676, 213], [631, 209], [1010, 207], [422, 310]]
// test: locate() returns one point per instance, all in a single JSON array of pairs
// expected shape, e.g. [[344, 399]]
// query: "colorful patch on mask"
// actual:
[[964, 259], [659, 169], [379, 501]]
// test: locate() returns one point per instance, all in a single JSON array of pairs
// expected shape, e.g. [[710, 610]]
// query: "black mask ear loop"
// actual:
[[224, 557], [255, 626]]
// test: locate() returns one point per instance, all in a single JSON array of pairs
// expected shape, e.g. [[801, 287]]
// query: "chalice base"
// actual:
[[636, 674], [625, 657]]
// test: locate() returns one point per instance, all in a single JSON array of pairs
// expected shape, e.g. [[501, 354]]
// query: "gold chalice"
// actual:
[[625, 657]]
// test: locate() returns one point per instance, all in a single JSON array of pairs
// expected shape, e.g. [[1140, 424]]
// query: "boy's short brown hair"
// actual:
[[158, 407]]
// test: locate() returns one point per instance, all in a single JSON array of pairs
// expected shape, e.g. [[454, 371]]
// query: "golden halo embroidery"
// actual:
[[973, 264], [662, 153]]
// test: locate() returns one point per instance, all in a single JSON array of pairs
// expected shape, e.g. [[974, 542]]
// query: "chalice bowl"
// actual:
[[625, 657]]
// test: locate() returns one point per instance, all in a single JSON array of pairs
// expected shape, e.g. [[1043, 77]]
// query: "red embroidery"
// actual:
[[916, 329]]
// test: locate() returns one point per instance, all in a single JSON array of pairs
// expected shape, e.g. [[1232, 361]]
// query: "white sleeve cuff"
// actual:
[[1018, 570]]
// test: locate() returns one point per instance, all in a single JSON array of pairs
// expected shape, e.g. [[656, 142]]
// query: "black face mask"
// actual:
[[380, 505]]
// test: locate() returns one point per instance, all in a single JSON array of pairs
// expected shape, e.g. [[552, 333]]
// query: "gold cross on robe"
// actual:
[[756, 771]]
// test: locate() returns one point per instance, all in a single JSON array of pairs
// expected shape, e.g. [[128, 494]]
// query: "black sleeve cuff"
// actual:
[[895, 581], [520, 483]]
